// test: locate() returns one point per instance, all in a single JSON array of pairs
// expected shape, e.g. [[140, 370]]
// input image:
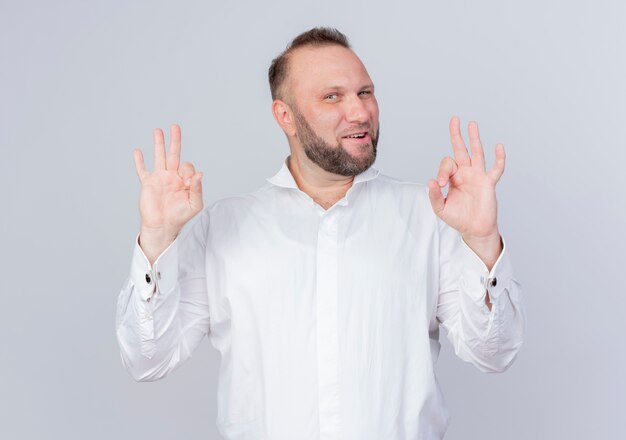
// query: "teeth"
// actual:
[[357, 136]]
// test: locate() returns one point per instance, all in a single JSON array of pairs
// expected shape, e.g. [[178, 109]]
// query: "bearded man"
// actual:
[[325, 289]]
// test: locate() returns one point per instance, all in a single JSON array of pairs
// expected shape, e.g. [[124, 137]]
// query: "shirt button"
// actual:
[[494, 281], [148, 278]]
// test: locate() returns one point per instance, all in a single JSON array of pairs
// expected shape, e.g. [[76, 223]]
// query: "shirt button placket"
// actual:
[[327, 327]]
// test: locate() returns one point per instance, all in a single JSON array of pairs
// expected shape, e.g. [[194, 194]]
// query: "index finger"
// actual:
[[173, 155], [461, 156]]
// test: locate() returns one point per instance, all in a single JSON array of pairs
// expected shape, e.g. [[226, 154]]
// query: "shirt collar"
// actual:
[[284, 178]]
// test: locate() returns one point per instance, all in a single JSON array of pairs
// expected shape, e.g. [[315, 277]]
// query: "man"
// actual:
[[324, 289]]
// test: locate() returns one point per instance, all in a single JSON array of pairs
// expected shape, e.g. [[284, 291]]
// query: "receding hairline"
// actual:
[[314, 38], [290, 55]]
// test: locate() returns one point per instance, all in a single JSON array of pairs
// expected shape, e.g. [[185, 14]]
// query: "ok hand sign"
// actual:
[[170, 195], [470, 206]]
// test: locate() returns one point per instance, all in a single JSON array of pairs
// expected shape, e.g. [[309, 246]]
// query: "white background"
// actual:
[[83, 83]]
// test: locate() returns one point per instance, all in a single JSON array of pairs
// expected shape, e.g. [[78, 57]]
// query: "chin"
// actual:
[[359, 151]]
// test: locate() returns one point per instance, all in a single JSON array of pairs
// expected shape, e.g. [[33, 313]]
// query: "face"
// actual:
[[335, 110]]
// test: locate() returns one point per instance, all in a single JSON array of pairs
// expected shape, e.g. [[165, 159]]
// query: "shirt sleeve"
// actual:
[[163, 311], [489, 339]]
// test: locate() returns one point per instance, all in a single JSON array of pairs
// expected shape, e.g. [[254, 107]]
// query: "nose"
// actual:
[[357, 110]]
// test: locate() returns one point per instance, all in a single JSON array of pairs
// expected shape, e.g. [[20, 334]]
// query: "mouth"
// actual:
[[361, 136]]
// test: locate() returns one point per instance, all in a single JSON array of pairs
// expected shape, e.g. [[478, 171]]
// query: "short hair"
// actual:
[[318, 37]]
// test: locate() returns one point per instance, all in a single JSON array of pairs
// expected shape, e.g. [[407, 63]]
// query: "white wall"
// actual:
[[82, 83]]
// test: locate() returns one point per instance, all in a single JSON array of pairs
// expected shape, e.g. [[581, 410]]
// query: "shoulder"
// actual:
[[407, 201], [405, 192], [231, 206], [410, 199]]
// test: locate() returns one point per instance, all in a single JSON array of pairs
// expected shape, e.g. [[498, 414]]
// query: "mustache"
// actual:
[[365, 127]]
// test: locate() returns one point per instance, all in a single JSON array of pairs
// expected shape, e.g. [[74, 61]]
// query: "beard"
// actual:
[[335, 159]]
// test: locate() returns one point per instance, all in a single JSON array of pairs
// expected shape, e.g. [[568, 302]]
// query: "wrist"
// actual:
[[154, 241], [488, 247]]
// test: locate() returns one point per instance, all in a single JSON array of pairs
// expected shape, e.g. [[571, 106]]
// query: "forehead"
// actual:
[[314, 68]]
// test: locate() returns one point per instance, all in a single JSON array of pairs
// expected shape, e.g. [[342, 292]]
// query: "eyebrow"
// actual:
[[366, 86]]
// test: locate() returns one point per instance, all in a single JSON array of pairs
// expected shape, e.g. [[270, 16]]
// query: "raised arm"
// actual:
[[162, 310], [480, 302]]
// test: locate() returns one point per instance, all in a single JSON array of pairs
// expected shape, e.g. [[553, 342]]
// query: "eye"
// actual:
[[331, 96], [365, 93]]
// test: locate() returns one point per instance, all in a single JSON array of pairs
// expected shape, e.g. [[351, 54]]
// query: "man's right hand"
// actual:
[[170, 195]]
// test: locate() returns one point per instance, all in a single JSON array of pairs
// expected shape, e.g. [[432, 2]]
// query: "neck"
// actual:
[[323, 187]]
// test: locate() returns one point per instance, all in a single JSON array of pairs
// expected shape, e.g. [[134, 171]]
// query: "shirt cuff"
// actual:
[[477, 280], [161, 277]]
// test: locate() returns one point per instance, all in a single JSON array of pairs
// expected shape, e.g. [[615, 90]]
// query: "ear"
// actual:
[[284, 116]]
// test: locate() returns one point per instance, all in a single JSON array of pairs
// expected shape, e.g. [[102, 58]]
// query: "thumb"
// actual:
[[436, 197]]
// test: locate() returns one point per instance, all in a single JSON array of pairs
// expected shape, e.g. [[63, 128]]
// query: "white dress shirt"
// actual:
[[327, 321]]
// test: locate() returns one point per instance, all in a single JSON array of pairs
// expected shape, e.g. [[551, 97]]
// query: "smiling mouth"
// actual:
[[356, 136]]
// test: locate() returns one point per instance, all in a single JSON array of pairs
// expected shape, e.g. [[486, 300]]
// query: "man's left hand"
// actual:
[[470, 205]]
